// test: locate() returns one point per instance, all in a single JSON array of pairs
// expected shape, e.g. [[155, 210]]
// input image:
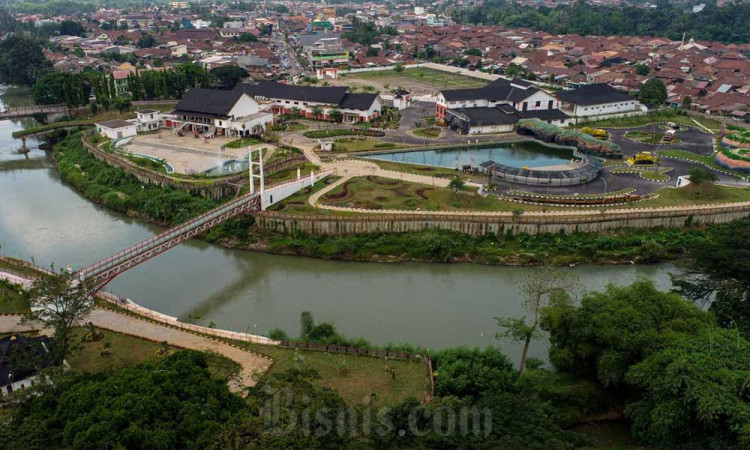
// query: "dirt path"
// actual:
[[251, 363]]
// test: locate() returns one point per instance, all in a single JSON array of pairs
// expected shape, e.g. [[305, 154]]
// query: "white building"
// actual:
[[148, 120], [598, 100], [496, 107], [116, 129], [215, 112], [283, 98]]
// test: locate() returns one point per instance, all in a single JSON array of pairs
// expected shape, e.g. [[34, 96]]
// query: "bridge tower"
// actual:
[[252, 176]]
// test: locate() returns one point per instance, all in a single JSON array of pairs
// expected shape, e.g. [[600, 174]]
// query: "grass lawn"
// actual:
[[443, 80], [707, 160], [244, 142], [11, 299], [291, 173], [127, 350], [385, 193], [290, 127], [355, 377], [360, 145], [697, 195], [429, 133], [297, 203], [667, 116], [648, 137], [654, 175], [441, 172]]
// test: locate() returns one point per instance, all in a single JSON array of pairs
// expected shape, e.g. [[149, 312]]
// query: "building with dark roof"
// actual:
[[596, 100], [219, 112], [283, 98], [21, 358], [517, 94], [498, 119]]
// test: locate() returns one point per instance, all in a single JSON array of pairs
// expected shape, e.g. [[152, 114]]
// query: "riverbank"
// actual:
[[114, 188]]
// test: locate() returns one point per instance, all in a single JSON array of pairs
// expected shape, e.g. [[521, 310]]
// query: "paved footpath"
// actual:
[[251, 363]]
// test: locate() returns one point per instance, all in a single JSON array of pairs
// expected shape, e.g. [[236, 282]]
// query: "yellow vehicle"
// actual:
[[643, 159], [596, 132]]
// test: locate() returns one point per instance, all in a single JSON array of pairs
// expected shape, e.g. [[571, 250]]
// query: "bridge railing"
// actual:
[[180, 229], [123, 255]]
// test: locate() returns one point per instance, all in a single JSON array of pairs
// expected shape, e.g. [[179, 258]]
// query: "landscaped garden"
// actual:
[[354, 144], [651, 117], [649, 137], [243, 142], [428, 132], [323, 134]]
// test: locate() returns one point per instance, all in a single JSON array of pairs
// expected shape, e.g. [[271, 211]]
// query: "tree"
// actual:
[[22, 61], [687, 101], [717, 274], [699, 176], [61, 302], [694, 393], [170, 403], [642, 69], [282, 9], [546, 285], [146, 41], [399, 68], [514, 70], [247, 37], [316, 111], [71, 28], [615, 329], [473, 52], [456, 184], [229, 76], [653, 92], [463, 372], [372, 51], [336, 115]]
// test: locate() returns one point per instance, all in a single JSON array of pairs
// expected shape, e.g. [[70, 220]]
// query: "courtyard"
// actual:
[[190, 156], [419, 81]]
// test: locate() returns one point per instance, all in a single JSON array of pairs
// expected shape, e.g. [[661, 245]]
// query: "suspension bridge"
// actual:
[[98, 274]]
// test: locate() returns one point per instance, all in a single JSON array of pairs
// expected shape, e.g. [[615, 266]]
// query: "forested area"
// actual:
[[727, 23]]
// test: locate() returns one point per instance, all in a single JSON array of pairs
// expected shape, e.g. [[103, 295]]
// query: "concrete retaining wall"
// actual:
[[480, 225]]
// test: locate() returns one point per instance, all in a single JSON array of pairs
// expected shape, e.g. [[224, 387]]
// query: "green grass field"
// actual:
[[11, 299], [124, 351], [355, 377], [429, 133], [439, 79], [349, 145]]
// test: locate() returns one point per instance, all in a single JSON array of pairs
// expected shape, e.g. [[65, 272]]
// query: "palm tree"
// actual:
[[316, 112], [336, 115]]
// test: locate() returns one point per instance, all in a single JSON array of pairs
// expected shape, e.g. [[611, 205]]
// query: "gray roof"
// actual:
[[11, 344], [115, 123], [360, 102], [593, 94], [269, 89], [210, 102], [499, 90], [309, 39]]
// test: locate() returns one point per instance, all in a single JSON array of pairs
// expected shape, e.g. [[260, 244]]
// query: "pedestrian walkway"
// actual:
[[251, 363]]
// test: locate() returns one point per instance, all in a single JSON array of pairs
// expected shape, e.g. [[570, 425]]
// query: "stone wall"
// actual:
[[482, 224]]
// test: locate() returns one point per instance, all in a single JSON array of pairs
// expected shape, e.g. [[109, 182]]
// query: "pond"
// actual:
[[513, 154]]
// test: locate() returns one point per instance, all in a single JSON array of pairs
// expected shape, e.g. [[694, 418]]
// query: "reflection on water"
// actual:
[[434, 305], [514, 154]]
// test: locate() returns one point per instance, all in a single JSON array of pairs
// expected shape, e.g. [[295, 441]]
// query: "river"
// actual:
[[433, 305]]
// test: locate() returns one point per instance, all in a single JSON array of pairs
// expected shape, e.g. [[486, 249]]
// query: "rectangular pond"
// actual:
[[514, 154]]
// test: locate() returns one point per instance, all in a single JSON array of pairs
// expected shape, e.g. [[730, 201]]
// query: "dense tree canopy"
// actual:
[[172, 403], [21, 60], [612, 330], [696, 393], [718, 274], [653, 92], [71, 28], [465, 372], [229, 76], [727, 23]]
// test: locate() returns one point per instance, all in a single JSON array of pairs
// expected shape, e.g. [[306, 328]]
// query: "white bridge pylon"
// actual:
[[252, 176]]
